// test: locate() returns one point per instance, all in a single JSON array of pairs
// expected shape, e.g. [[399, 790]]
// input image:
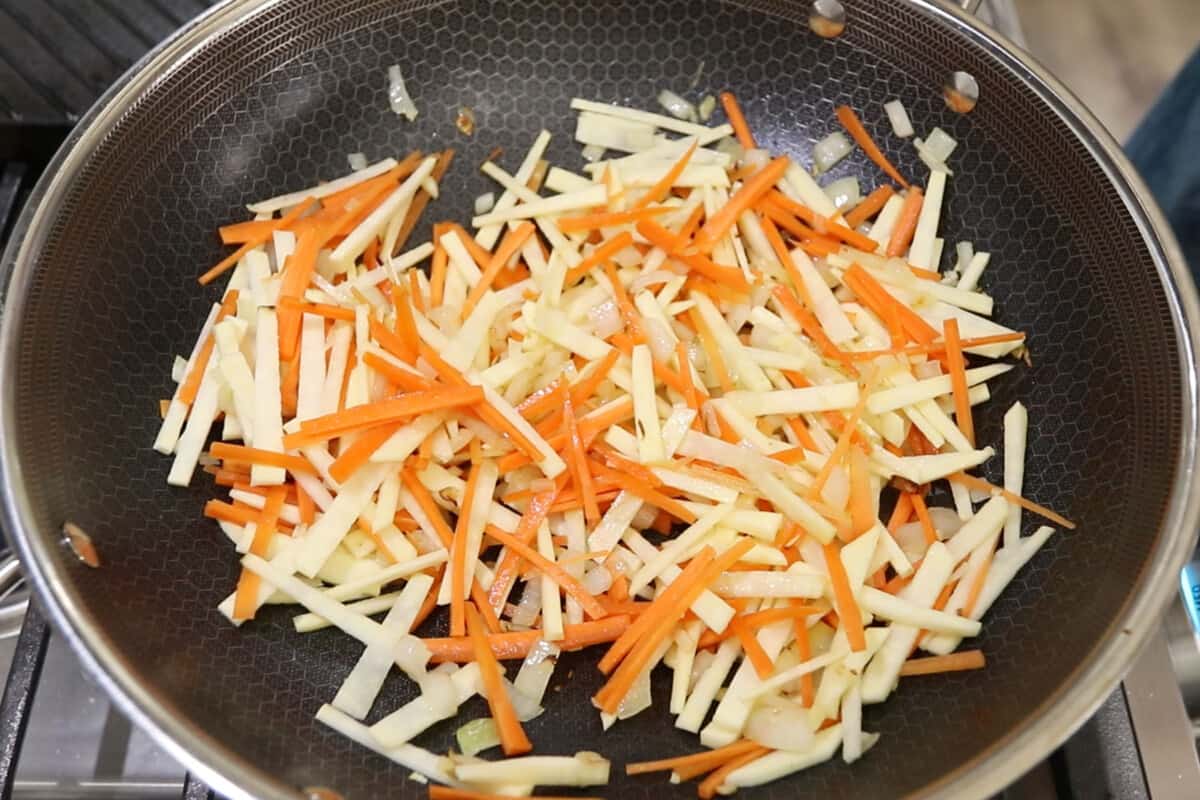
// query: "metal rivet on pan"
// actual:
[[80, 544], [321, 793], [961, 92], [827, 18]]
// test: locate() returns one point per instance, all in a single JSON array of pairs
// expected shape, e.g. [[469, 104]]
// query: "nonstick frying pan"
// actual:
[[262, 96]]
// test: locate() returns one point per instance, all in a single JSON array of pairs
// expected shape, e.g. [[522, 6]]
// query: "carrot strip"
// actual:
[[901, 512], [751, 192], [394, 409], [971, 482], [662, 187], [976, 587], [906, 225], [954, 662], [730, 277], [508, 566], [430, 603], [854, 127], [394, 343], [191, 383], [660, 237], [591, 606], [233, 258], [712, 784], [803, 652], [841, 449], [517, 644], [339, 201], [810, 325], [847, 606], [579, 463], [939, 347], [251, 229], [308, 509], [542, 401], [246, 595], [582, 390], [513, 241], [917, 329], [712, 352], [918, 504], [649, 495], [823, 226], [758, 657], [871, 205], [691, 394], [958, 379], [590, 426], [704, 761], [421, 200], [320, 309], [733, 112], [405, 325], [437, 270], [458, 558], [240, 454], [357, 454], [600, 255], [414, 290], [512, 736], [402, 378], [629, 314]]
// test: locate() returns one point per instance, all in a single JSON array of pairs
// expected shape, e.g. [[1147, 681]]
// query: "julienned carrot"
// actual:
[[733, 112], [901, 512], [233, 258], [354, 457], [240, 454], [906, 225], [976, 587], [954, 662], [246, 597], [391, 410], [447, 793], [578, 461], [811, 326], [517, 644], [937, 348], [590, 426], [662, 187], [854, 127], [415, 292], [508, 565], [840, 449], [803, 653], [591, 606], [755, 654], [971, 482], [582, 390], [751, 192], [320, 309], [660, 237], [458, 557], [608, 219], [712, 351], [191, 382], [712, 784], [512, 736], [400, 378], [654, 614], [704, 761], [871, 205], [509, 246], [847, 606], [825, 227], [308, 509], [542, 401], [730, 277], [916, 328], [922, 511], [649, 495], [421, 199], [958, 379], [598, 256], [629, 314], [437, 269]]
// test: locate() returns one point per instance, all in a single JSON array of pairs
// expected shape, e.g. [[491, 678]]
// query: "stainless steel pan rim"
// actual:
[[237, 778]]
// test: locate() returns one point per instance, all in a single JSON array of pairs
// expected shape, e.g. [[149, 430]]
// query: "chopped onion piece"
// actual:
[[844, 192], [676, 106], [398, 96], [829, 151], [477, 735], [485, 203], [357, 161], [898, 116]]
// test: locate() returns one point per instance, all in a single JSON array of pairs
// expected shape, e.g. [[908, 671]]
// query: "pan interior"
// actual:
[[278, 100]]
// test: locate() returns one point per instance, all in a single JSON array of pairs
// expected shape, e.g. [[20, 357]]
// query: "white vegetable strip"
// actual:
[[432, 766], [356, 241], [327, 532], [704, 134], [583, 769], [322, 189], [928, 389], [831, 397], [420, 714], [920, 254], [487, 235], [780, 763], [1016, 427]]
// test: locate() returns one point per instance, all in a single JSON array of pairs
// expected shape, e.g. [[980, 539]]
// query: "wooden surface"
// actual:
[[1116, 55]]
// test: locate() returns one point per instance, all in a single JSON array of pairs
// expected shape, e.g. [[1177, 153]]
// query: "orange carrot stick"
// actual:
[[803, 652], [191, 383], [716, 361], [240, 454], [391, 410], [598, 256], [763, 666], [357, 454], [517, 644], [233, 258], [854, 127], [246, 595], [847, 607], [918, 504], [579, 464], [746, 197], [733, 111], [906, 225], [513, 241], [320, 309], [823, 226], [458, 558], [862, 506], [422, 199], [704, 761], [591, 606], [512, 736], [954, 662], [608, 219], [971, 482], [711, 785], [662, 187], [901, 512], [437, 270], [958, 379], [871, 205], [400, 378]]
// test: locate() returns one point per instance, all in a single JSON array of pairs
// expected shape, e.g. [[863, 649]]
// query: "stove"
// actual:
[[60, 736]]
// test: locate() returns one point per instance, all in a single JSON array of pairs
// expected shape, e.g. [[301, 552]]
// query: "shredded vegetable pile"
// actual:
[[685, 407]]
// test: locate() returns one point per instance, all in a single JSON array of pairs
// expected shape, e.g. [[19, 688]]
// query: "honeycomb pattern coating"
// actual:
[[277, 101]]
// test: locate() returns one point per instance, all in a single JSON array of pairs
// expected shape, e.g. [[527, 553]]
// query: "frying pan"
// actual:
[[262, 96]]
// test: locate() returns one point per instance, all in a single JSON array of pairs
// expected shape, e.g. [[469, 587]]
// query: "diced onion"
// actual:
[[844, 192], [732, 148], [597, 580], [592, 153], [898, 116], [676, 106], [606, 319], [477, 735], [707, 106], [485, 203], [780, 725], [939, 145], [755, 159], [357, 161], [398, 96], [829, 151]]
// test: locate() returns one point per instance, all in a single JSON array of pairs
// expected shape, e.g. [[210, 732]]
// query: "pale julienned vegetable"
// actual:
[[660, 407]]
